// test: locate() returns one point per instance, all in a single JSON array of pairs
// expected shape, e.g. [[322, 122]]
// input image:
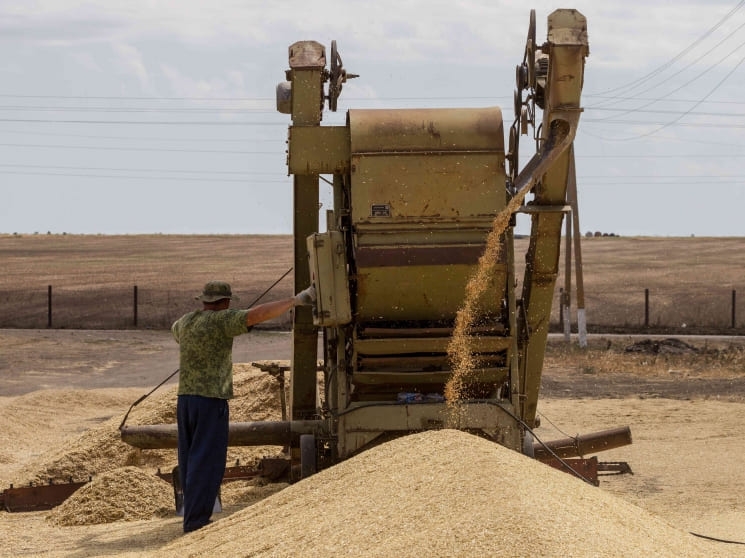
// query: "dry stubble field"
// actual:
[[686, 412], [690, 279]]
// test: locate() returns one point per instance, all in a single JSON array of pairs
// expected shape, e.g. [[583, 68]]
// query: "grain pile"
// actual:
[[245, 492], [121, 491], [34, 424], [125, 494], [100, 449], [440, 493]]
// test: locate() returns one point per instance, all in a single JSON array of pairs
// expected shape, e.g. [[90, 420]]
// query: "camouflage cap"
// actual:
[[216, 290]]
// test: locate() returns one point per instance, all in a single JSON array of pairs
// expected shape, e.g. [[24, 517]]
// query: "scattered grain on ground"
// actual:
[[100, 449]]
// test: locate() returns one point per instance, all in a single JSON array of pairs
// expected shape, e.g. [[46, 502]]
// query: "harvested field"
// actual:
[[690, 280], [440, 493], [63, 394]]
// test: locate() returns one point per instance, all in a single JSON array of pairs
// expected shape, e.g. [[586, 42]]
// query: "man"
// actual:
[[205, 340]]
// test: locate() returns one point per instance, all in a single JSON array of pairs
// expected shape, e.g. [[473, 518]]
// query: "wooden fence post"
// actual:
[[135, 306], [646, 307], [734, 305], [49, 306]]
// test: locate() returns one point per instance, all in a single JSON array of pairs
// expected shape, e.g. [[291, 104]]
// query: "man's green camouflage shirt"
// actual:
[[205, 338]]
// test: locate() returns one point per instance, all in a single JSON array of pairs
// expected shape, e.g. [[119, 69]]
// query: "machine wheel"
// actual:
[[308, 464], [530, 48], [513, 155], [336, 77]]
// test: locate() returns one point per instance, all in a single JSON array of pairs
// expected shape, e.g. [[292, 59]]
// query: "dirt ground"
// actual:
[[688, 431]]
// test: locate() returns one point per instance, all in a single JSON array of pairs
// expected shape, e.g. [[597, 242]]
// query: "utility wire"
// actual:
[[681, 86], [148, 138], [160, 110], [636, 98], [115, 169], [145, 122], [666, 97], [132, 177], [662, 111], [676, 121], [633, 84], [662, 125], [148, 149]]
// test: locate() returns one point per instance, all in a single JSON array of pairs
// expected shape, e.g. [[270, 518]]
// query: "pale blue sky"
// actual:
[[158, 117]]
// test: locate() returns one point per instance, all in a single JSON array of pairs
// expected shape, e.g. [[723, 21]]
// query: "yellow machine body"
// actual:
[[425, 186]]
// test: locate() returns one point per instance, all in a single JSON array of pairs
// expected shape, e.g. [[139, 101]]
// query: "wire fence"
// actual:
[[102, 308], [711, 311], [148, 307]]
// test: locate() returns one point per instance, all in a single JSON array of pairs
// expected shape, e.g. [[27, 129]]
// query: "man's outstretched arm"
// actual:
[[269, 310]]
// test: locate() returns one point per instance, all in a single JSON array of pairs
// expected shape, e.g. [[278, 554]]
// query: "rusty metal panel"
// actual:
[[464, 232], [567, 33], [586, 468], [408, 379], [387, 256], [420, 292], [362, 424], [318, 150], [395, 188], [304, 55], [36, 498], [567, 50], [433, 130], [328, 262], [385, 346], [584, 444], [568, 27], [425, 186]]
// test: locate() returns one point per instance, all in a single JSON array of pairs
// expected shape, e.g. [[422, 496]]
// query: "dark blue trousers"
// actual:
[[202, 451]]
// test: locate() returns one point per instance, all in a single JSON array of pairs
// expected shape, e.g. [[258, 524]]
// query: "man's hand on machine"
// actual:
[[306, 297]]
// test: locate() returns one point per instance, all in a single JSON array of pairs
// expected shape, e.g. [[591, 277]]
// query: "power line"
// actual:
[[666, 98], [650, 101], [622, 181], [661, 125], [632, 85], [130, 98], [240, 99], [115, 169], [664, 176], [145, 122], [147, 149], [676, 121], [160, 110], [148, 138], [662, 156], [664, 111], [681, 86], [712, 66], [132, 177]]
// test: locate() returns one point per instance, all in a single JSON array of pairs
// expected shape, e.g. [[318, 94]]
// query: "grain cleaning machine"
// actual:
[[415, 196]]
